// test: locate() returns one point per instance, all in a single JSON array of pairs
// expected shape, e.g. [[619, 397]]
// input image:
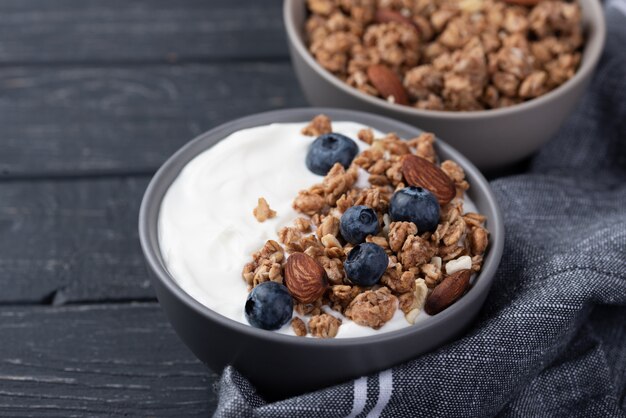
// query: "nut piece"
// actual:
[[324, 326], [420, 172], [341, 295], [305, 278], [479, 239], [448, 292], [388, 84], [366, 135], [319, 125], [399, 232], [262, 212], [461, 263], [299, 327], [415, 252], [330, 225], [372, 308], [420, 293], [389, 15], [308, 203], [330, 241], [314, 308], [302, 224]]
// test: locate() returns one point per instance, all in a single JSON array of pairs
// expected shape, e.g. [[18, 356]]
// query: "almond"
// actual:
[[305, 278], [420, 172], [387, 83], [447, 292], [388, 15]]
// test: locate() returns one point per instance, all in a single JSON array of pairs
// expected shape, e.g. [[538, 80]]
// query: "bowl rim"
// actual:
[[153, 196], [592, 14]]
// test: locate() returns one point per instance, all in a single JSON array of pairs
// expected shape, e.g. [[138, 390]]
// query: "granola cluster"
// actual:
[[456, 55], [418, 261]]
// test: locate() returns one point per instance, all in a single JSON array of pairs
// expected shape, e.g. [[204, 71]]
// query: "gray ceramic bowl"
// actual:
[[490, 139], [281, 365]]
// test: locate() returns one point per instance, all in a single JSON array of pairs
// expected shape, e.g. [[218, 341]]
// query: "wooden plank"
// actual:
[[41, 31], [71, 240], [76, 121], [104, 360]]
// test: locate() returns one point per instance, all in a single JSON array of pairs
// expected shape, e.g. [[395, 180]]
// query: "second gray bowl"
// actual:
[[282, 365]]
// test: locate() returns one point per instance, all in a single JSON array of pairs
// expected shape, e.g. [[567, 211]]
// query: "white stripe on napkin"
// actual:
[[385, 388], [360, 397]]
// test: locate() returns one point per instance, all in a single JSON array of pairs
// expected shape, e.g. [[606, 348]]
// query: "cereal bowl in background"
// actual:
[[491, 139], [283, 365]]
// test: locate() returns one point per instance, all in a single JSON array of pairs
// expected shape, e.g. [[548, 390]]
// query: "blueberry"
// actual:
[[366, 264], [329, 149], [417, 205], [269, 306], [357, 223]]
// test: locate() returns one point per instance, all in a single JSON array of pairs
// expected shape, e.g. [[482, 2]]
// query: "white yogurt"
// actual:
[[206, 228]]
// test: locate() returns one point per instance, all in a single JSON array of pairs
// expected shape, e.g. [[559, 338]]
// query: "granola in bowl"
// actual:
[[426, 268], [454, 55]]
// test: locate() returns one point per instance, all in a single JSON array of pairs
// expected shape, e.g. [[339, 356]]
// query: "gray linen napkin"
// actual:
[[551, 338]]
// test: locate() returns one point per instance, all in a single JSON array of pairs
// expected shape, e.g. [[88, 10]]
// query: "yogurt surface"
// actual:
[[207, 231]]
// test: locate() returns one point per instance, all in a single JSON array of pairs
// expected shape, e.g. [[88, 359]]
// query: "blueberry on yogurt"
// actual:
[[417, 205], [329, 149], [366, 264], [357, 222], [269, 306]]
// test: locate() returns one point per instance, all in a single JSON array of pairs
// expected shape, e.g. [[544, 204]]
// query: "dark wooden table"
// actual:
[[94, 96]]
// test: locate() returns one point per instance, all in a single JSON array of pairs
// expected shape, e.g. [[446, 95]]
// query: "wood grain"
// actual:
[[93, 121], [67, 240], [95, 95], [95, 31], [104, 360]]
